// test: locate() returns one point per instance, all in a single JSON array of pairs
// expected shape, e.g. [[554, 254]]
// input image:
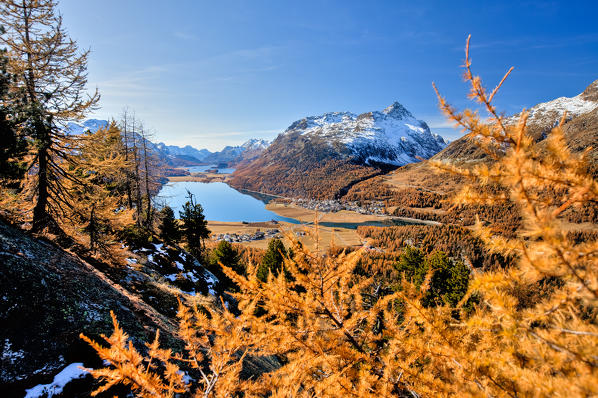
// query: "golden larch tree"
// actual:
[[51, 78]]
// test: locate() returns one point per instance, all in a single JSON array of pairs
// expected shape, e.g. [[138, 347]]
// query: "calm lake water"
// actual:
[[220, 202], [223, 203]]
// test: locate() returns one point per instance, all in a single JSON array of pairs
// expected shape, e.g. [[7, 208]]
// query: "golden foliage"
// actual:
[[98, 192], [131, 368], [340, 336]]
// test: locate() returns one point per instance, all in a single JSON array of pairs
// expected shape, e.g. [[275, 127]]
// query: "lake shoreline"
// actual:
[[303, 214], [249, 218]]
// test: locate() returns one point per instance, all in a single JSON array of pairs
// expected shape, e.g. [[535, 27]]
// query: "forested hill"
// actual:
[[419, 190]]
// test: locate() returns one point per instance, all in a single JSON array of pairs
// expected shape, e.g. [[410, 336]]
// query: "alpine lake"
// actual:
[[229, 210]]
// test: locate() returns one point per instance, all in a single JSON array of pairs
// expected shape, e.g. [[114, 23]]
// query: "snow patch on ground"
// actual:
[[9, 355], [191, 277], [71, 372], [160, 248], [211, 280]]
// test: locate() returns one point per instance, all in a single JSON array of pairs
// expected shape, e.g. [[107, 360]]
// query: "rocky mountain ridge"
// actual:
[[392, 136], [542, 118], [321, 157], [247, 151]]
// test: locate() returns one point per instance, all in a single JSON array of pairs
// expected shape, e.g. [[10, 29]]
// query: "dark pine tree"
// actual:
[[14, 145], [168, 228], [273, 259], [225, 254], [195, 227]]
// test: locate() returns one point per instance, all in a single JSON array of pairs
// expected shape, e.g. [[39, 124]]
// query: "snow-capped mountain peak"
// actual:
[[89, 125], [397, 111], [391, 136], [183, 156], [255, 143]]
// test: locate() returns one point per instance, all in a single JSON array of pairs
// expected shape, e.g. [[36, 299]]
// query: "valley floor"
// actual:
[[343, 216], [304, 233], [307, 215]]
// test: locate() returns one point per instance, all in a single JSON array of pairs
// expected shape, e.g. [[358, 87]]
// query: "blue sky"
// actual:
[[214, 73]]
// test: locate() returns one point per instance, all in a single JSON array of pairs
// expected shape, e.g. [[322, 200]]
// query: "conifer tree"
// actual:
[[51, 76], [124, 126], [168, 228], [448, 281], [99, 191], [135, 151], [195, 227], [225, 255], [142, 176], [411, 265], [149, 167], [12, 150], [273, 259]]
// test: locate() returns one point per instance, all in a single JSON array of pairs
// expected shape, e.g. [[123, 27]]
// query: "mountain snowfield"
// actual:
[[392, 136], [92, 125], [256, 143]]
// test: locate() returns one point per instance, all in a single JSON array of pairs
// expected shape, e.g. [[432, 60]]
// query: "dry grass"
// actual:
[[328, 236]]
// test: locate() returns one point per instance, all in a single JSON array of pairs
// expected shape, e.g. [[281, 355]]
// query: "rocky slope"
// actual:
[[321, 156], [48, 296]]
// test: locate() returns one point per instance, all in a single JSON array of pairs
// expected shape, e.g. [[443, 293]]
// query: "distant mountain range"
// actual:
[[236, 154], [322, 156], [176, 156]]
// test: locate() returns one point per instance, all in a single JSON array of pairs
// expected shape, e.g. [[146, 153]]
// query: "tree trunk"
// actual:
[[137, 177], [128, 174], [148, 216], [41, 218]]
